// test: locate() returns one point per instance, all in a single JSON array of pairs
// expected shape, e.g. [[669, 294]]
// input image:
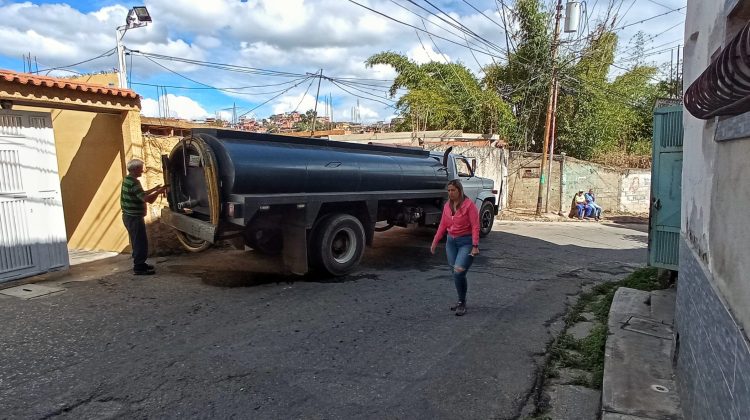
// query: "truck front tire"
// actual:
[[339, 244], [486, 218]]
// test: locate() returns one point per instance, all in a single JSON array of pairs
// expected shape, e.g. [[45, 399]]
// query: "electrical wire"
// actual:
[[102, 55], [421, 30]]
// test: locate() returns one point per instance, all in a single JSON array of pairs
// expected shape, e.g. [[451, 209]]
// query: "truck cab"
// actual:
[[480, 190]]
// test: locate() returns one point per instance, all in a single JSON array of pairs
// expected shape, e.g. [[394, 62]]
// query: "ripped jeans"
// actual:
[[459, 257]]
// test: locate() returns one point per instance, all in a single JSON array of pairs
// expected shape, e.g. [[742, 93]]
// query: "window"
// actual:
[[463, 168]]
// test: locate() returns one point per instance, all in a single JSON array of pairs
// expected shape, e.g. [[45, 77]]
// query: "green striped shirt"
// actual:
[[132, 197]]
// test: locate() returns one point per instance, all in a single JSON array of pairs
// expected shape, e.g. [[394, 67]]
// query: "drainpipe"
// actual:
[[562, 182]]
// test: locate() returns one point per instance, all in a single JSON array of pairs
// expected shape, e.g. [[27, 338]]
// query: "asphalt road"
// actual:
[[210, 337]]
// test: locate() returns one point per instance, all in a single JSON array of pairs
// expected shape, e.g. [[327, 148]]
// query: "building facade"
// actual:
[[713, 296]]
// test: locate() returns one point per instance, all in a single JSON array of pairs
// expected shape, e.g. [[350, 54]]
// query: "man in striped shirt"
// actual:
[[133, 201]]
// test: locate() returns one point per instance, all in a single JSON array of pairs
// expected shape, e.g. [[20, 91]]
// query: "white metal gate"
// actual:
[[32, 224]]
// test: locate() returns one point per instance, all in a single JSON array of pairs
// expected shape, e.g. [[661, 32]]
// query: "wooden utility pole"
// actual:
[[315, 110], [551, 144], [548, 121]]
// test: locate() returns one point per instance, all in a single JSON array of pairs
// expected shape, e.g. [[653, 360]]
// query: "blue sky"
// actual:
[[295, 37]]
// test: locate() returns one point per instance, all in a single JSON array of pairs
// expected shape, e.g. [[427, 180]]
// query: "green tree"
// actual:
[[444, 96], [523, 80]]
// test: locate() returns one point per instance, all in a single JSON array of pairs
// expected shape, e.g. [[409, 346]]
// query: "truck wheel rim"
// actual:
[[486, 219], [343, 245]]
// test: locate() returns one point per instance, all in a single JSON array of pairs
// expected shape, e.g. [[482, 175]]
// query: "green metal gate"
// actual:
[[666, 189]]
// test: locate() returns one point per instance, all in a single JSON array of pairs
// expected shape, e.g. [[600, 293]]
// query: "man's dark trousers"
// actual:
[[138, 240]]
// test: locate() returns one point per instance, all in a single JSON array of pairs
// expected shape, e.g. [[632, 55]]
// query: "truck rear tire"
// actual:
[[486, 218], [339, 244], [191, 243]]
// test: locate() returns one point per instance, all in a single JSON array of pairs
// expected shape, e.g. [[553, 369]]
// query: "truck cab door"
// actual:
[[464, 172]]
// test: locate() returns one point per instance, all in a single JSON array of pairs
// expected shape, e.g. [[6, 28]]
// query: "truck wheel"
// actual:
[[191, 243], [486, 218], [339, 243]]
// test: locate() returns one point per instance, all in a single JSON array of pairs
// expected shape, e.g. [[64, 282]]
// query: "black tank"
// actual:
[[255, 163]]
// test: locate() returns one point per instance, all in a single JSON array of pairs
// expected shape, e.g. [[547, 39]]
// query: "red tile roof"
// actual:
[[26, 78]]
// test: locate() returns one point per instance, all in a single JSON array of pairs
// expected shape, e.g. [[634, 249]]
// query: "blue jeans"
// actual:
[[459, 257], [595, 209]]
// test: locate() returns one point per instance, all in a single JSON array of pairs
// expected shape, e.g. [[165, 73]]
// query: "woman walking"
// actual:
[[461, 220]]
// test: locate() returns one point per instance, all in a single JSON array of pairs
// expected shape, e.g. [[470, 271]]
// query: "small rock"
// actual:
[[581, 330]]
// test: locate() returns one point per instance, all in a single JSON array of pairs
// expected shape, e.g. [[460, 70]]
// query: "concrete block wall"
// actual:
[[583, 175], [523, 182], [622, 190], [635, 191]]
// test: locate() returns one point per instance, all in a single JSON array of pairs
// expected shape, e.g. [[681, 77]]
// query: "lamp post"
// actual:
[[137, 18]]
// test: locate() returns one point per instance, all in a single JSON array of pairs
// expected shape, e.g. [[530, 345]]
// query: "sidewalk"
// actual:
[[529, 215], [639, 381]]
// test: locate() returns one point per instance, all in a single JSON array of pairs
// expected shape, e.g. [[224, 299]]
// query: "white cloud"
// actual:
[[296, 36], [297, 102], [179, 107], [425, 55]]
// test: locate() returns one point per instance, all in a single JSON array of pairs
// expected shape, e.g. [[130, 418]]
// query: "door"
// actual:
[[666, 189], [32, 225]]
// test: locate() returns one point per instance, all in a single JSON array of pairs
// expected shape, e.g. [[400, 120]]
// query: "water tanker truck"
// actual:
[[316, 202]]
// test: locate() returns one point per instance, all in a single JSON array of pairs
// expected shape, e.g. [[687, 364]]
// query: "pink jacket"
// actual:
[[464, 222]]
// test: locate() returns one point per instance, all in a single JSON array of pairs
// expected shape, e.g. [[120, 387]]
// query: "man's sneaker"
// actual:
[[144, 272], [454, 306], [143, 267], [461, 309]]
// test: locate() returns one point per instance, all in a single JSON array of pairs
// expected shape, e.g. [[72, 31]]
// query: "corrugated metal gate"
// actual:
[[32, 224], [666, 189]]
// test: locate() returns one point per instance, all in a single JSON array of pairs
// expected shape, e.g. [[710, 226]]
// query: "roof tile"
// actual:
[[36, 80]]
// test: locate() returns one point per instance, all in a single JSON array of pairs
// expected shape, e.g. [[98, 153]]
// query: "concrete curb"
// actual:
[[639, 381]]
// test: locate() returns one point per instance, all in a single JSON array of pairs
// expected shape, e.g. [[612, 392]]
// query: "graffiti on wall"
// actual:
[[635, 193]]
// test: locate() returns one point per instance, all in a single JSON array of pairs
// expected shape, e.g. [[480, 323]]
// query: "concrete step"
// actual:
[[639, 381]]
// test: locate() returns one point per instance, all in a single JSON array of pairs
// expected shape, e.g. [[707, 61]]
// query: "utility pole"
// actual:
[[315, 110], [552, 98], [551, 144]]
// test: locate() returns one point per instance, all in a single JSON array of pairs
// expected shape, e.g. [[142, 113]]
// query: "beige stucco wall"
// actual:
[[93, 143], [523, 191], [162, 239]]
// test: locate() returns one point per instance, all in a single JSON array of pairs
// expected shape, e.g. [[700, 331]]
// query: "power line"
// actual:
[[646, 20], [663, 5], [421, 30], [272, 98], [487, 43], [102, 55]]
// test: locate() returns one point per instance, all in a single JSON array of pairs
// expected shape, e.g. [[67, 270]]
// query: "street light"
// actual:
[[137, 18]]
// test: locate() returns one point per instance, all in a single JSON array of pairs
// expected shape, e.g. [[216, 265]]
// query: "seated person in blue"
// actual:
[[594, 209], [582, 210]]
